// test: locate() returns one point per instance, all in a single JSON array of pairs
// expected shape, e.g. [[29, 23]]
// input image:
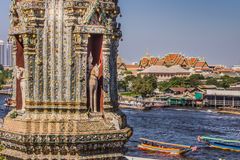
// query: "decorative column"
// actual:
[[84, 69], [72, 66], [68, 64], [60, 53], [113, 79], [77, 44], [106, 72], [45, 55], [26, 68], [14, 52], [52, 49], [38, 68]]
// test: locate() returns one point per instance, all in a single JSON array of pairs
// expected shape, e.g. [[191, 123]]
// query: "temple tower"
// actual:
[[65, 88]]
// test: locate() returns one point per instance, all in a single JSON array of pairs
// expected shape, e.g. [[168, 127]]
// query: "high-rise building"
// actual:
[[8, 55], [2, 52], [5, 54]]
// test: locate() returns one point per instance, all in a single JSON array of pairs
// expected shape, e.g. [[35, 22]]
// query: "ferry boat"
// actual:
[[218, 143], [9, 103], [163, 147]]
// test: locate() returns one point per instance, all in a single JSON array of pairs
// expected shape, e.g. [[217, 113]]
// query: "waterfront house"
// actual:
[[235, 87], [180, 101], [176, 90], [207, 87], [181, 91], [222, 98]]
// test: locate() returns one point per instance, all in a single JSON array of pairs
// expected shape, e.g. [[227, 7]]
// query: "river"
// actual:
[[182, 126], [177, 126]]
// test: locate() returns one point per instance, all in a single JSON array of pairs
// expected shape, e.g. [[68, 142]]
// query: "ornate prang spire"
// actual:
[[63, 50]]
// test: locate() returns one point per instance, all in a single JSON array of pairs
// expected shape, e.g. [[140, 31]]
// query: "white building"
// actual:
[[236, 67], [166, 73], [5, 54], [223, 98], [8, 55], [2, 51]]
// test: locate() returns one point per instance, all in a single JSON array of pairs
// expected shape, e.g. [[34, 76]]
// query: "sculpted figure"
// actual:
[[20, 77], [93, 86]]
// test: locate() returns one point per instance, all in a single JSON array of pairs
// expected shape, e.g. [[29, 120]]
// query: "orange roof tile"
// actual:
[[131, 66], [192, 61], [160, 62], [144, 62], [201, 64], [153, 61], [226, 70]]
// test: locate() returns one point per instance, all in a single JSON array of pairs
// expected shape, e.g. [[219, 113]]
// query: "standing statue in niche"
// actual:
[[20, 77], [93, 87]]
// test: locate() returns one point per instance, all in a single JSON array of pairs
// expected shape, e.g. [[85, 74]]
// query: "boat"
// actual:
[[163, 147], [135, 105], [9, 103], [218, 143], [229, 110]]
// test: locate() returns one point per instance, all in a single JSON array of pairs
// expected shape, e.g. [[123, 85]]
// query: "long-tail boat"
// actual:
[[163, 147], [218, 143]]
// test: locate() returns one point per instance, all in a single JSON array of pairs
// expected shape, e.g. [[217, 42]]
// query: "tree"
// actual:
[[122, 85], [212, 81], [128, 72], [178, 82], [144, 85], [196, 77], [5, 76], [195, 80], [129, 78], [1, 67], [162, 86]]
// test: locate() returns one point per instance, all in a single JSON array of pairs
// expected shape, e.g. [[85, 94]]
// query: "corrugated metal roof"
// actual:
[[223, 93]]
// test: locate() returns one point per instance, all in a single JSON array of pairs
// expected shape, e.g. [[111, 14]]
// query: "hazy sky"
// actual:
[[205, 28]]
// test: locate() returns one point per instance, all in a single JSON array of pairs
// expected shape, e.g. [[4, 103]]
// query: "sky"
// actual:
[[203, 28]]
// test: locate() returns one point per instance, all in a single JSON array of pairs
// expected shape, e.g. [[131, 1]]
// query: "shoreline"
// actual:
[[231, 111]]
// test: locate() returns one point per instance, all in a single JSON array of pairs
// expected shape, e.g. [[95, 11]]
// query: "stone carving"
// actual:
[[21, 79], [93, 87], [54, 39]]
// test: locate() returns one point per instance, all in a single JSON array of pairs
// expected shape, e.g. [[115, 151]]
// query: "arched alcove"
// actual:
[[95, 51]]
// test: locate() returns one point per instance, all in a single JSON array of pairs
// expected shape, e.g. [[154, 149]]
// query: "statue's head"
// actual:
[[19, 72], [95, 69]]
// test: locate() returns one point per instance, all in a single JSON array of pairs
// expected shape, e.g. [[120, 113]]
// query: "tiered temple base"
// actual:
[[64, 134]]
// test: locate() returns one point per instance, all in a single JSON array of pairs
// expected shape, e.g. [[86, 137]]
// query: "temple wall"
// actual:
[[56, 36]]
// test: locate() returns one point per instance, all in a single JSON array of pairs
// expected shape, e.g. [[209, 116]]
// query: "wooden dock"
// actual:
[[229, 110], [138, 158]]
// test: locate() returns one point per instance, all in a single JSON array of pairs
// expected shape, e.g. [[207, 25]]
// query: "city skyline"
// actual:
[[208, 29]]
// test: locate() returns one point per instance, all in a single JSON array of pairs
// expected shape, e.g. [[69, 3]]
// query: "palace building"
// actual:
[[173, 59], [164, 73]]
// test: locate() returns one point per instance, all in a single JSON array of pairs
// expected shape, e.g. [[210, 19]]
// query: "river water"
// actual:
[[182, 126], [177, 126]]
